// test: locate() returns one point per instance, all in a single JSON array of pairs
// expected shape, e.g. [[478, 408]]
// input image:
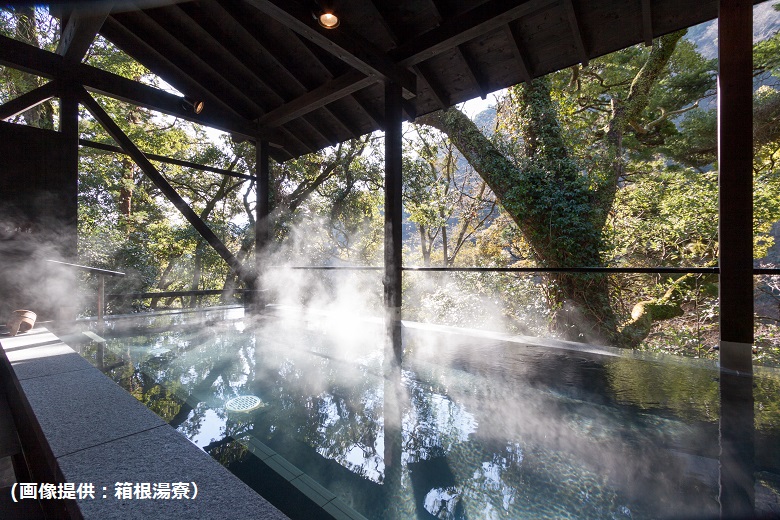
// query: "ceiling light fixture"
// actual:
[[328, 19], [190, 105]]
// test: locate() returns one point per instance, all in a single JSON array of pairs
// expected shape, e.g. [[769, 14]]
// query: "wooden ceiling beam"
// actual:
[[153, 59], [80, 30], [22, 56], [189, 62], [647, 23], [219, 58], [334, 89], [244, 31], [517, 51], [28, 100], [472, 72], [350, 48], [437, 93], [576, 32], [369, 113], [484, 18], [468, 65]]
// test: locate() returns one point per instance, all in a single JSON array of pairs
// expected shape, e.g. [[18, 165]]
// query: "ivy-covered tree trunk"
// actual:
[[551, 203], [560, 209]]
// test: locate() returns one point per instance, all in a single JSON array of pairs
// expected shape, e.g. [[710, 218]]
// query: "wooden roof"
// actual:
[[270, 64]]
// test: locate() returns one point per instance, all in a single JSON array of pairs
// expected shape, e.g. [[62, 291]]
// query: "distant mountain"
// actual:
[[766, 22]]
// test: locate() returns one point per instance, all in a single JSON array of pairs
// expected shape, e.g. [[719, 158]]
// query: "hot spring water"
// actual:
[[488, 429]]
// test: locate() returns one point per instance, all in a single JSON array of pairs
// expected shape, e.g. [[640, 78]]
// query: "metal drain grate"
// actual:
[[244, 403]]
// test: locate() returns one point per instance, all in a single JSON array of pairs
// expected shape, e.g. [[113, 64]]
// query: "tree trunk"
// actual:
[[126, 188], [425, 246], [559, 209], [549, 200]]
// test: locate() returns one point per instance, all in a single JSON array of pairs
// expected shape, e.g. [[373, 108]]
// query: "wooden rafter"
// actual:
[[576, 32], [242, 33], [191, 64], [517, 52], [375, 118], [471, 69], [29, 100], [237, 40], [468, 64], [455, 31], [464, 27], [231, 31], [353, 50], [293, 138], [80, 30], [437, 93], [319, 130], [153, 59], [334, 89], [218, 57]]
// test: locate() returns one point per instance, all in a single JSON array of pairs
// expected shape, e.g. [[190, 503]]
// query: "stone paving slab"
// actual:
[[45, 360], [77, 410], [100, 434], [161, 455]]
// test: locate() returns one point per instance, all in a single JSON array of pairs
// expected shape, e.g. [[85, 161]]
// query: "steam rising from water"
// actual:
[[27, 280]]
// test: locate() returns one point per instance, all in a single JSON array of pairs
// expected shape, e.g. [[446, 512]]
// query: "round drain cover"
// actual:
[[244, 403]]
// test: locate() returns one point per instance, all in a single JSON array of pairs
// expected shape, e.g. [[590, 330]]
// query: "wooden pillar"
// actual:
[[69, 127], [393, 390], [735, 163], [262, 210], [263, 207], [393, 217]]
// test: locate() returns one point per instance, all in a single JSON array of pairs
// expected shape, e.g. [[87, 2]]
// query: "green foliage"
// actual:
[[666, 216]]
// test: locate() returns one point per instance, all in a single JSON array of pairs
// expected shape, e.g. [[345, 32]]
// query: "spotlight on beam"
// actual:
[[328, 19], [326, 15], [192, 105]]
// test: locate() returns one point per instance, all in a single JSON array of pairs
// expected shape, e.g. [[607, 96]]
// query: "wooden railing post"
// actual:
[[101, 297]]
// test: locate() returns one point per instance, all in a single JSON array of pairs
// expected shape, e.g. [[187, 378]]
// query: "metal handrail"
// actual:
[[101, 274], [635, 270], [175, 294], [93, 270], [650, 270]]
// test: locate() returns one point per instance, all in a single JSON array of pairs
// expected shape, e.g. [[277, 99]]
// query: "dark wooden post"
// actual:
[[735, 163], [393, 391], [262, 210], [101, 297], [393, 215], [69, 127], [263, 206]]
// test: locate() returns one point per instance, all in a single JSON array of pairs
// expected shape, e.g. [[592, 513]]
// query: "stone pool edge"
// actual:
[[88, 430]]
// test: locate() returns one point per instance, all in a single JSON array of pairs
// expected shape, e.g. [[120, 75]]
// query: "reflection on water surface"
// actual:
[[488, 429]]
